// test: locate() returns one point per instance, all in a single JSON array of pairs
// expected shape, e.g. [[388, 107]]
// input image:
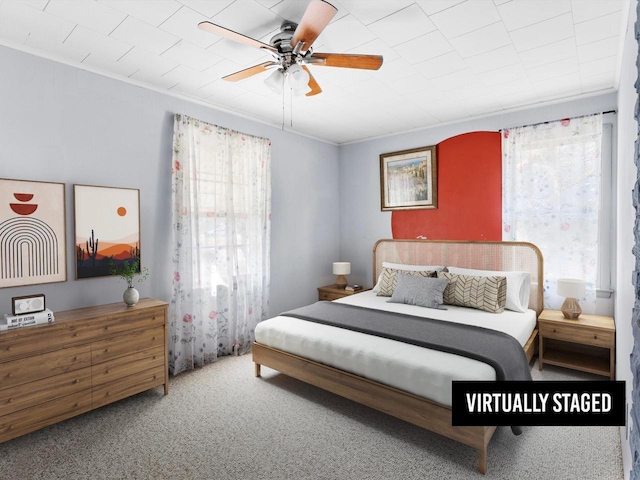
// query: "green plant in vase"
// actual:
[[128, 271]]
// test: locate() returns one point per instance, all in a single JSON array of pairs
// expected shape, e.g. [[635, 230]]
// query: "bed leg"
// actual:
[[257, 365], [482, 460]]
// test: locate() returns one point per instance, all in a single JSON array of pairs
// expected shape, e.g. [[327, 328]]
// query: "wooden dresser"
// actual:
[[87, 358]]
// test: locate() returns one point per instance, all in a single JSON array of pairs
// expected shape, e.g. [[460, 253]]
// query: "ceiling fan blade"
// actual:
[[248, 72], [313, 85], [317, 16], [367, 62], [238, 37]]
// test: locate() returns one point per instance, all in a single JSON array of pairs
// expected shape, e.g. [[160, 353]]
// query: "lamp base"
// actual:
[[341, 281], [571, 309]]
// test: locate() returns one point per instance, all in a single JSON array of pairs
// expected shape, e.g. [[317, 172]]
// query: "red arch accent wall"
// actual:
[[469, 193]]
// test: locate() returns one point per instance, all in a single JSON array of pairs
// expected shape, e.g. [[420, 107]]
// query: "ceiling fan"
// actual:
[[292, 51]]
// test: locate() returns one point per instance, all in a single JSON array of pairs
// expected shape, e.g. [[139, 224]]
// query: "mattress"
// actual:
[[418, 370]]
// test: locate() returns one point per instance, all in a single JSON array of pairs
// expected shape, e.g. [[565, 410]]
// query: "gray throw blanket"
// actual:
[[500, 350]]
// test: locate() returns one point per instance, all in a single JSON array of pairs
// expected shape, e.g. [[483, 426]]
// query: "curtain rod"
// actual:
[[557, 120]]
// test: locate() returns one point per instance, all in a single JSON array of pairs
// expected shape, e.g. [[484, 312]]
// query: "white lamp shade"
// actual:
[[341, 268], [572, 288], [275, 81], [298, 77]]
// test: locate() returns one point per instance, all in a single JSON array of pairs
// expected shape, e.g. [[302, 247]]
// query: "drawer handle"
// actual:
[[595, 337], [554, 330], [75, 358], [75, 334], [10, 400], [153, 338], [9, 375], [106, 371], [106, 350], [76, 380], [75, 405]]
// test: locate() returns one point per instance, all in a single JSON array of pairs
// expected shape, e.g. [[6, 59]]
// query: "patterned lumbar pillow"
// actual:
[[483, 293], [421, 291], [388, 279]]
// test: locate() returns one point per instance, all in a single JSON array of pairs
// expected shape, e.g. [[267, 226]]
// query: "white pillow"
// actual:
[[408, 268], [518, 286]]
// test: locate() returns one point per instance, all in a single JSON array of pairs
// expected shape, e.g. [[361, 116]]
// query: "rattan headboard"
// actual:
[[505, 256]]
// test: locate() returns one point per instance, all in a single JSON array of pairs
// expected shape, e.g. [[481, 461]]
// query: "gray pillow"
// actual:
[[421, 291], [387, 282]]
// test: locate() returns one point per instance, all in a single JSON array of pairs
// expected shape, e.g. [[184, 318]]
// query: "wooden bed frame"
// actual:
[[433, 416]]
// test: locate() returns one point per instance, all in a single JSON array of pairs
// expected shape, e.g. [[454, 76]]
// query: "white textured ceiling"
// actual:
[[444, 60]]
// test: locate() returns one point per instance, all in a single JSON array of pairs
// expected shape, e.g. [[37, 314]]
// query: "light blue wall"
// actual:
[[626, 216], [362, 222], [62, 124]]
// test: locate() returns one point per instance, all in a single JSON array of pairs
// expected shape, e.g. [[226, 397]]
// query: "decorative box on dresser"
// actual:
[[331, 292], [87, 358], [586, 344]]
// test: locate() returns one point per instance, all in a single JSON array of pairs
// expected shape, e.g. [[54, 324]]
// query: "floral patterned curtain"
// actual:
[[221, 198], [551, 197]]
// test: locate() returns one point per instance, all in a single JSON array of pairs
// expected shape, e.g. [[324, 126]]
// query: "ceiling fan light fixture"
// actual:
[[292, 50], [275, 81], [298, 78]]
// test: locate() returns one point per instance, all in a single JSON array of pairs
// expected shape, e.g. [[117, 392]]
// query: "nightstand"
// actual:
[[586, 344], [331, 292]]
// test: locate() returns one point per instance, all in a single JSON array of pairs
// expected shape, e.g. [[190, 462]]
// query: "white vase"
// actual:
[[131, 296]]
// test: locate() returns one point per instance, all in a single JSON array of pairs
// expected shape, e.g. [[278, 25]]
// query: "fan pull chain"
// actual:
[[283, 104]]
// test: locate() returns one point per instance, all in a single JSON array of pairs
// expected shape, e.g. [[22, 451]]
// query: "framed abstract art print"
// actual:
[[107, 229], [32, 233]]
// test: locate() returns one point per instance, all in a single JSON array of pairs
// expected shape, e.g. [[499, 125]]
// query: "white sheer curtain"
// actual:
[[221, 199], [551, 197]]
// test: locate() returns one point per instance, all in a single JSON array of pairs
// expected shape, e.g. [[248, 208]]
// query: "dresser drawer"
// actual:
[[38, 339], [128, 365], [39, 416], [25, 370], [136, 320], [127, 386], [120, 345], [41, 391], [578, 334]]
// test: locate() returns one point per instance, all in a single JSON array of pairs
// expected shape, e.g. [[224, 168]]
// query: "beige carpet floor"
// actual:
[[220, 422]]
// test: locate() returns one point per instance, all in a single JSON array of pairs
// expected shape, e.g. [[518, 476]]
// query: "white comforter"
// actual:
[[424, 372]]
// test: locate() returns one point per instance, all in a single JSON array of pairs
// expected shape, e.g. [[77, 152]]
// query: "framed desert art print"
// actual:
[[409, 179], [107, 229], [32, 233]]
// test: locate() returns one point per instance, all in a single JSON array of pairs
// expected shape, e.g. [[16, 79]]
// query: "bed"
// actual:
[[410, 382]]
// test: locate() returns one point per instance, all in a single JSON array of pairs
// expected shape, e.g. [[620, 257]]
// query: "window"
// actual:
[[552, 198], [221, 186]]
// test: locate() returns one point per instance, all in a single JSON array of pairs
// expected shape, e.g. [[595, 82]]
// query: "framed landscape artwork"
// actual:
[[107, 229], [32, 233], [409, 179]]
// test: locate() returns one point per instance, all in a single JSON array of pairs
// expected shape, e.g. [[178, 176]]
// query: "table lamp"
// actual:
[[341, 269], [572, 289]]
